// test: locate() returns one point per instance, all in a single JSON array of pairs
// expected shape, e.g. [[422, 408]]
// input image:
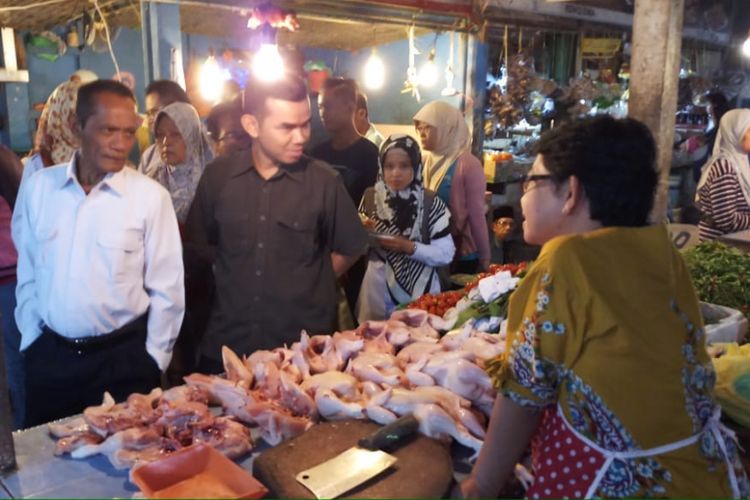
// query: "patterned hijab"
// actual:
[[453, 140], [401, 213], [57, 125], [182, 180], [732, 127]]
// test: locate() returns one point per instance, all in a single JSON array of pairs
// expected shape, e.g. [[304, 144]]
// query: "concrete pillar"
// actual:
[[654, 81], [15, 129], [160, 28], [475, 74]]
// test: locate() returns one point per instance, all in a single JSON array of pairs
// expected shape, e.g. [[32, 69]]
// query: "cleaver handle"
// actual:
[[391, 434]]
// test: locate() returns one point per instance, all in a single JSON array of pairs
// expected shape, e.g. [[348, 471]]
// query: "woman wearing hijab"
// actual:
[[457, 178], [183, 153], [55, 139], [723, 193], [412, 229]]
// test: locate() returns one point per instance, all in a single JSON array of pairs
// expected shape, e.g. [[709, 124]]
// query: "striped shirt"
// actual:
[[722, 204]]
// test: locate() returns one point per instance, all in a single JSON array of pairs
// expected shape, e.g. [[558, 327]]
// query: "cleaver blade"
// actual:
[[358, 464]]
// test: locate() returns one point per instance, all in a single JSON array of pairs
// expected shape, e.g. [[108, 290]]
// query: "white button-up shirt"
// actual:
[[90, 264]]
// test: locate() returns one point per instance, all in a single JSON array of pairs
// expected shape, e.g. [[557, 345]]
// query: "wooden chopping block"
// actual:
[[424, 468]]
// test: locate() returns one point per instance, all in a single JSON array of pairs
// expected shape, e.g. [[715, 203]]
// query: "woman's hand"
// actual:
[[367, 222], [398, 244]]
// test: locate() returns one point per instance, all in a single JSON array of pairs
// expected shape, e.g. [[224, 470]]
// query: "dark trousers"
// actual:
[[13, 359], [62, 380]]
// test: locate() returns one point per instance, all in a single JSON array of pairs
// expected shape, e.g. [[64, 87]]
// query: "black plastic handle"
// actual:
[[391, 434]]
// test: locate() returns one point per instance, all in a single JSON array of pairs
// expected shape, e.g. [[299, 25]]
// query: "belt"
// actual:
[[86, 345]]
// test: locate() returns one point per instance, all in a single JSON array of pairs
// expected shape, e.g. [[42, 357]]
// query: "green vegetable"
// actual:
[[721, 275], [479, 309]]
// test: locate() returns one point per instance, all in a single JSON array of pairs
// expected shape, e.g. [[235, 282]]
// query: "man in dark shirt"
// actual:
[[278, 227], [347, 151], [351, 154]]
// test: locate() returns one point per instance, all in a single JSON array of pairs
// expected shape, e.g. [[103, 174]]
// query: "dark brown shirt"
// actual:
[[270, 242]]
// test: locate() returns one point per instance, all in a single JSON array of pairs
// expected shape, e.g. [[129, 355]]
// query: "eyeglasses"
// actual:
[[527, 182]]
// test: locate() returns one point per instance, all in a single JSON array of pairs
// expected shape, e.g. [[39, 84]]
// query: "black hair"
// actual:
[[615, 161], [168, 91], [719, 105], [231, 109], [291, 88], [344, 88], [10, 175], [87, 94]]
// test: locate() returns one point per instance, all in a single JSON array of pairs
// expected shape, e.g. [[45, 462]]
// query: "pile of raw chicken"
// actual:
[[380, 371]]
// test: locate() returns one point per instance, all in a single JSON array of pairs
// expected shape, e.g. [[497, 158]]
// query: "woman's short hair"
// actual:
[[615, 161]]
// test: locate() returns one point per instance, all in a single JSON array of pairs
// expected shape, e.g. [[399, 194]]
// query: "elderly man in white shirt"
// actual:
[[100, 276]]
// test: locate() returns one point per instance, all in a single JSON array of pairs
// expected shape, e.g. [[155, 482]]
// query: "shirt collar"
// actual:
[[294, 171], [114, 181]]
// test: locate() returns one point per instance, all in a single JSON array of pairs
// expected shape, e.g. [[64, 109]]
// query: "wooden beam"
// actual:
[[654, 69]]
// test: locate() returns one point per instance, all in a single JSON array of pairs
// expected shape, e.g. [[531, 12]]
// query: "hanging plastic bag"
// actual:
[[732, 388]]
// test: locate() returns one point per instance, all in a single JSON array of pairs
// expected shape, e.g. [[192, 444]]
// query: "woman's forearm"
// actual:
[[509, 432]]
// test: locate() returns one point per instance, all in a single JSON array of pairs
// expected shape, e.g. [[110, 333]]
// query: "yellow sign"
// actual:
[[600, 47]]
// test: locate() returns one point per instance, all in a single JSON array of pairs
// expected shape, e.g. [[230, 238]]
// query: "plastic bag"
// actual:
[[732, 388]]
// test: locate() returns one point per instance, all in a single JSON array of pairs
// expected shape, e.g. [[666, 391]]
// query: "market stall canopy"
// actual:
[[334, 24]]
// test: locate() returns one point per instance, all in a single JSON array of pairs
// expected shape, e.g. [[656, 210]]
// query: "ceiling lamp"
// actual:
[[746, 47], [374, 74], [428, 74], [268, 66], [211, 79]]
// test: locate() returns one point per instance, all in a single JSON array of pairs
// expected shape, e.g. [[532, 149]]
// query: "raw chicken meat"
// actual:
[[134, 439], [348, 344], [320, 352], [67, 428], [436, 423], [76, 440], [342, 384], [226, 435], [235, 369], [332, 407], [377, 367], [109, 418]]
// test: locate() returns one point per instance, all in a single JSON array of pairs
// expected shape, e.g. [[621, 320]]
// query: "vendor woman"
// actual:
[[606, 375], [411, 228]]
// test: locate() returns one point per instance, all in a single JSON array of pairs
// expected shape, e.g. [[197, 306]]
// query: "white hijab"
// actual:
[[453, 140], [728, 145]]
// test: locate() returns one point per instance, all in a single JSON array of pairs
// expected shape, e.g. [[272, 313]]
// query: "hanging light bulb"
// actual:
[[428, 74], [211, 79], [268, 66], [746, 46], [374, 75]]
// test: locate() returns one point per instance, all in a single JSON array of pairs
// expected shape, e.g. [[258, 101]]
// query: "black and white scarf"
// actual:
[[401, 213]]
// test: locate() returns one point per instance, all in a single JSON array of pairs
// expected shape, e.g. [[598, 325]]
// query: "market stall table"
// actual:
[[740, 239], [41, 474]]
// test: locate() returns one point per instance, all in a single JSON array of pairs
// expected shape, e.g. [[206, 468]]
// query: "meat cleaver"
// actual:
[[358, 464]]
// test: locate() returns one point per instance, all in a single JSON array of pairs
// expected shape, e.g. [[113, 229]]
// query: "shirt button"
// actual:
[[258, 272], [262, 218], [260, 245], [256, 299], [265, 189], [255, 326]]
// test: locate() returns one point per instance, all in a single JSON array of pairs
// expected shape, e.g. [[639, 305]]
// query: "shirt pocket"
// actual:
[[122, 254], [234, 231], [297, 238]]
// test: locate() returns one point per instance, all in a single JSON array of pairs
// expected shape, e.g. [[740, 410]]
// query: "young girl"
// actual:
[[411, 229]]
